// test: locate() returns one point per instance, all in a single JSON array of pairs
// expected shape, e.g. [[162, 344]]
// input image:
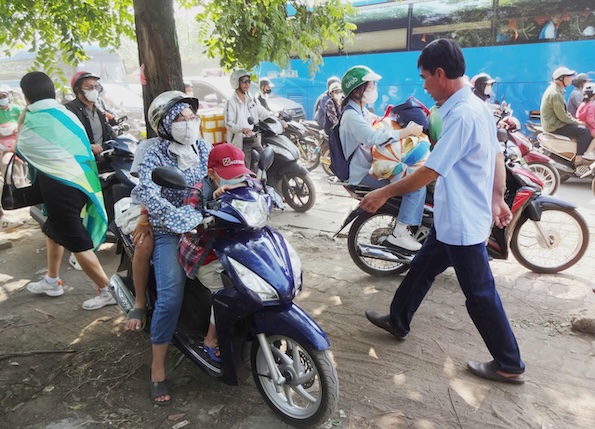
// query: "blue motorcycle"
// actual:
[[261, 330]]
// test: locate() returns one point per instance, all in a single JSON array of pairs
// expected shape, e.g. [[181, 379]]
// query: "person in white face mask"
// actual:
[[358, 136], [172, 115], [86, 90]]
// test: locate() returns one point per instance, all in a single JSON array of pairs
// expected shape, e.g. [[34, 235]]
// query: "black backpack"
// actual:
[[339, 163]]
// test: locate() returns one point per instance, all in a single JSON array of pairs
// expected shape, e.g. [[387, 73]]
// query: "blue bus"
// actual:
[[518, 42]]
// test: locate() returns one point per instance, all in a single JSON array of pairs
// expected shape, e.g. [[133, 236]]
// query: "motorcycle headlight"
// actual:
[[254, 282], [296, 267], [255, 213]]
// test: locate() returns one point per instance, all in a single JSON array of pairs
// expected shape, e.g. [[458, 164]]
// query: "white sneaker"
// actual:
[[99, 301], [405, 241], [7, 225], [589, 156], [50, 289], [75, 264]]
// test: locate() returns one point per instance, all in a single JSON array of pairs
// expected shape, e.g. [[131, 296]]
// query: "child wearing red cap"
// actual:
[[226, 171]]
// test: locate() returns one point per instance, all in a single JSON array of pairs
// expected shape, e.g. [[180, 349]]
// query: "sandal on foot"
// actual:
[[138, 314], [158, 389], [212, 353]]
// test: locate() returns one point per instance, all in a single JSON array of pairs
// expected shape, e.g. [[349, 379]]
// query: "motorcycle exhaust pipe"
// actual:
[[378, 252], [121, 292]]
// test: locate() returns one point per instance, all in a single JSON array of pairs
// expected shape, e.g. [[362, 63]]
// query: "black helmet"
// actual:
[[481, 80]]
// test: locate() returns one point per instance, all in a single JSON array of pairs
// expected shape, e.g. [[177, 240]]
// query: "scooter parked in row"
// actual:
[[540, 164], [286, 175], [546, 235], [261, 331], [305, 139]]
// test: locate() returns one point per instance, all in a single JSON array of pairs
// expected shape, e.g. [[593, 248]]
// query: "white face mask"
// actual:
[[92, 95], [370, 96], [4, 101], [487, 90], [185, 132]]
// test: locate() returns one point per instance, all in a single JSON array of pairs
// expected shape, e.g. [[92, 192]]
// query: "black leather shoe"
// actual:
[[382, 321]]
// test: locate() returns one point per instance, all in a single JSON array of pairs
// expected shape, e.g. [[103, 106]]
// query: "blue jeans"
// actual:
[[482, 300], [412, 204], [170, 279]]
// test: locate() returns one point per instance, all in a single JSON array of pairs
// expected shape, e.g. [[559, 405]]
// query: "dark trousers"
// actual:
[[482, 300], [247, 145], [579, 133]]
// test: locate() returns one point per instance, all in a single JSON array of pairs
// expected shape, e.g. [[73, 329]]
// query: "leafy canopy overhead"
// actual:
[[246, 32], [58, 29], [239, 32]]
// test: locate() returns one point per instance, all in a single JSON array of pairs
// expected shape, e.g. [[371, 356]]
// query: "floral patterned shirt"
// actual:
[[167, 212]]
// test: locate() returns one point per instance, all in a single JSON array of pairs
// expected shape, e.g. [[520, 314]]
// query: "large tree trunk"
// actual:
[[158, 49]]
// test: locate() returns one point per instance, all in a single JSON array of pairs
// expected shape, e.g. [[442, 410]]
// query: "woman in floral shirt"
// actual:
[[173, 116]]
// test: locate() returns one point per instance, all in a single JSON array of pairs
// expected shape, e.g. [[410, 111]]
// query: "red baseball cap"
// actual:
[[228, 161]]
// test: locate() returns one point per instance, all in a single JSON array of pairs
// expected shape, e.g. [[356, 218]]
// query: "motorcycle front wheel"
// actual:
[[310, 391], [548, 175], [309, 154], [298, 191], [372, 229], [556, 242]]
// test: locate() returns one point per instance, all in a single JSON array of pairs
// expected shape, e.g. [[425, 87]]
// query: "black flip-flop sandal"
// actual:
[[488, 370], [158, 389]]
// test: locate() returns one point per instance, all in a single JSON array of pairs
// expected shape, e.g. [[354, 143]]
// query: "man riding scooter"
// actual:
[[556, 119]]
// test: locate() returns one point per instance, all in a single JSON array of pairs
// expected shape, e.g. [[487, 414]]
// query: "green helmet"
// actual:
[[356, 76]]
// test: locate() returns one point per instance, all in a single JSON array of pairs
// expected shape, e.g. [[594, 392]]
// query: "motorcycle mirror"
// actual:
[[502, 135], [169, 177], [266, 159], [251, 120]]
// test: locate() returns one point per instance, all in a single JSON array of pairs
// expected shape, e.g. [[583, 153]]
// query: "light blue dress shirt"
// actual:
[[464, 157]]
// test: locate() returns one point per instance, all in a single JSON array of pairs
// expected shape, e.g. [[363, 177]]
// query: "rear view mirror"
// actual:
[[169, 177]]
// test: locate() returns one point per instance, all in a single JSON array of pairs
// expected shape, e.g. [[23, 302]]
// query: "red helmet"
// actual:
[[79, 76]]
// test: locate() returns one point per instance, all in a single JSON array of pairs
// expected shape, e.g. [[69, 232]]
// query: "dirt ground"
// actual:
[[62, 367]]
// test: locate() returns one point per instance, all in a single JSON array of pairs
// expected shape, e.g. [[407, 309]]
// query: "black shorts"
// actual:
[[64, 224]]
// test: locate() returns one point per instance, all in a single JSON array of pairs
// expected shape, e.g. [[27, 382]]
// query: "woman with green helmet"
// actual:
[[357, 138]]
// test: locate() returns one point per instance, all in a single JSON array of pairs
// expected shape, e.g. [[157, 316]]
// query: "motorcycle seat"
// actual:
[[557, 136]]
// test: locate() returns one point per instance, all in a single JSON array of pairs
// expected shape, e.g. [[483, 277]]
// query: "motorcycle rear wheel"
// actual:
[[325, 159], [309, 154], [372, 229], [311, 392], [548, 175], [298, 191], [563, 243]]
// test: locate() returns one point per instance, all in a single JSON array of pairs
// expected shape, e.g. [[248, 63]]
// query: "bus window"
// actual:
[[380, 28], [525, 20], [467, 22]]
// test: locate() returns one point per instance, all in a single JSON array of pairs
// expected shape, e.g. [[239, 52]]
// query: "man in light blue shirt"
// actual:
[[470, 173]]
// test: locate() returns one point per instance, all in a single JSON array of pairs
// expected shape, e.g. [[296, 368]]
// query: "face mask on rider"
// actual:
[[233, 181], [92, 95], [487, 90], [4, 101], [185, 132], [370, 96]]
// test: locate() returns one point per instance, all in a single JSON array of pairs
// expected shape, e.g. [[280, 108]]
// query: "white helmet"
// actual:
[[589, 89], [163, 103], [235, 77]]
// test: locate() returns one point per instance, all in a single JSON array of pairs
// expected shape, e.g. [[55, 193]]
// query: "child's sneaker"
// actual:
[[7, 225], [43, 286], [99, 301], [74, 263]]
